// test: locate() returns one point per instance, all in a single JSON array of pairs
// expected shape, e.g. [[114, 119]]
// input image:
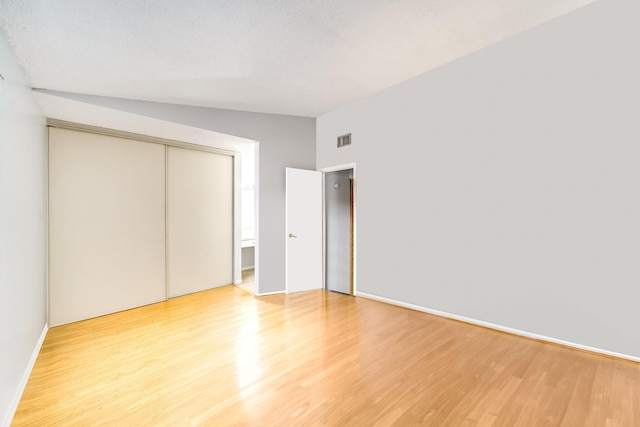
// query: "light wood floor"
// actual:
[[224, 357]]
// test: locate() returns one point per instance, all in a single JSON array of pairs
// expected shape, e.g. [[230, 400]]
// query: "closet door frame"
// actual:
[[235, 205]]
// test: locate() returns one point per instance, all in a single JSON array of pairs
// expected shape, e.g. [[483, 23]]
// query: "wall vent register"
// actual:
[[344, 140]]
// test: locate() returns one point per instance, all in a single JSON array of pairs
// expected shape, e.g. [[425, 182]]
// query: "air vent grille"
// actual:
[[344, 140]]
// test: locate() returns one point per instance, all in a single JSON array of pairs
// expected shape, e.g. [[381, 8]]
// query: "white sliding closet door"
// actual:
[[199, 220], [106, 224]]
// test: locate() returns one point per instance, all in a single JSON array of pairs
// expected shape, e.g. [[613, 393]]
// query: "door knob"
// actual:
[[293, 235]]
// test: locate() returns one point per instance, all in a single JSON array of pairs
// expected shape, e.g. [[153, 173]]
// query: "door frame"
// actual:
[[325, 170]]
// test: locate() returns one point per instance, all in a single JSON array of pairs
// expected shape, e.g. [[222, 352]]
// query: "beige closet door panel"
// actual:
[[199, 220], [106, 224]]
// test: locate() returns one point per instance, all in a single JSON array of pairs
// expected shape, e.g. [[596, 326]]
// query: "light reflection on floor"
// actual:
[[247, 353]]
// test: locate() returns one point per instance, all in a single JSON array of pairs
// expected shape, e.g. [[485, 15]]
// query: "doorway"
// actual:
[[339, 199], [248, 217]]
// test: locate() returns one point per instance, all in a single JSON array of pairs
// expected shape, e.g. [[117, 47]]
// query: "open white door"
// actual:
[[304, 230]]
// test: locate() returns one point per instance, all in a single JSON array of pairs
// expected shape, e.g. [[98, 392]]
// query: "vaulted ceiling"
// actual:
[[304, 57]]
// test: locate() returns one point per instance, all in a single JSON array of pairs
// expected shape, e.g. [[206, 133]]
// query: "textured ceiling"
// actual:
[[304, 57]]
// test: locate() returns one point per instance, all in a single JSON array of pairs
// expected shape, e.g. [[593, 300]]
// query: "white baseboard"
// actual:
[[238, 282], [262, 294], [250, 267], [497, 327], [25, 378]]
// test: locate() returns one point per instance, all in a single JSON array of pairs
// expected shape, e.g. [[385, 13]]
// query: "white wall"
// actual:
[[511, 178], [23, 308], [283, 141]]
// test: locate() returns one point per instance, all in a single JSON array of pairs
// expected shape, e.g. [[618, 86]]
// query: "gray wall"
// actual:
[[248, 258], [283, 141], [512, 179], [23, 309]]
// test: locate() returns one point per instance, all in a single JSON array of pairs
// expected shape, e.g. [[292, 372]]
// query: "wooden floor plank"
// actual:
[[224, 357]]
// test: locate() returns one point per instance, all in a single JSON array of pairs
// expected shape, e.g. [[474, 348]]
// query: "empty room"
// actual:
[[316, 213]]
